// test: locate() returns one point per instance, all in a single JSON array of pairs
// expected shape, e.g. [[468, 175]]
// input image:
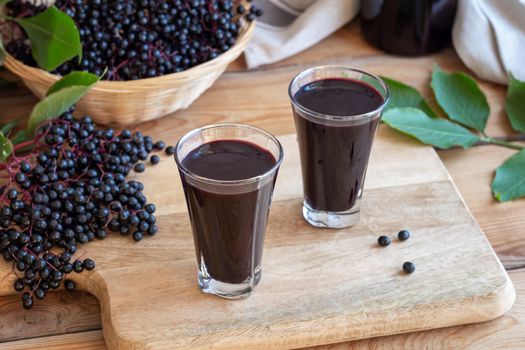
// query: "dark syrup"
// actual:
[[334, 158], [228, 229]]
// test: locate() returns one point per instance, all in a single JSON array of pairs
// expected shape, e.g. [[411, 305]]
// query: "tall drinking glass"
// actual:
[[336, 111], [228, 172]]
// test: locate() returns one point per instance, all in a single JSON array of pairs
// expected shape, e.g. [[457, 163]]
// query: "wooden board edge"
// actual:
[[492, 304], [507, 293], [97, 286]]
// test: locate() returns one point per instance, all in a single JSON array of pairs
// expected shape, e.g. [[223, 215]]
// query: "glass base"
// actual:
[[228, 290], [331, 219]]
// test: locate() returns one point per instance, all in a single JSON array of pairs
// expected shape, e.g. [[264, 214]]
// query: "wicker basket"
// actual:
[[127, 102]]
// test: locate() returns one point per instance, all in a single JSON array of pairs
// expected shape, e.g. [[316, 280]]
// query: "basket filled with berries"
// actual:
[[152, 57]]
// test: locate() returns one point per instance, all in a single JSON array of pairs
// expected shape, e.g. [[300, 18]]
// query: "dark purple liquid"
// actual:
[[334, 158], [228, 229], [408, 27]]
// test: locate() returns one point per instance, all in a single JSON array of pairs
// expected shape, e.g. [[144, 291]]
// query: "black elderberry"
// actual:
[[82, 238], [6, 212], [69, 285], [27, 301], [89, 264], [73, 194], [19, 285], [29, 274], [403, 235], [134, 220], [12, 194], [20, 265], [101, 234], [159, 145], [151, 220], [150, 208], [143, 155], [78, 266], [25, 167], [124, 230], [21, 254], [24, 238], [67, 268], [152, 230], [137, 236], [143, 215], [28, 282], [71, 247], [409, 267], [139, 167], [45, 273], [57, 275], [65, 257], [143, 226], [30, 258], [40, 293], [40, 264], [136, 39], [155, 159]]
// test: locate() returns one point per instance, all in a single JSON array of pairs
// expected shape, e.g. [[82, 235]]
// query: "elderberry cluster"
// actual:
[[71, 190], [146, 38]]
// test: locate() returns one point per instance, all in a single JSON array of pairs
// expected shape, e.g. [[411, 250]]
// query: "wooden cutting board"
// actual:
[[318, 286]]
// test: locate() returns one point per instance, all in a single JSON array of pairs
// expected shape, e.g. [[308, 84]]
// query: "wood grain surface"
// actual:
[[91, 340], [472, 171], [502, 222], [504, 333], [61, 313], [319, 286]]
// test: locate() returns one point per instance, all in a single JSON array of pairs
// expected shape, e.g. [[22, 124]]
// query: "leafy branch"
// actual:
[[60, 98], [467, 109], [53, 35], [54, 40]]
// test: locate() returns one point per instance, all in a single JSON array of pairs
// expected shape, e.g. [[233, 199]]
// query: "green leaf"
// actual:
[[402, 95], [6, 129], [3, 2], [461, 98], [2, 52], [515, 103], [20, 136], [6, 147], [54, 37], [432, 131], [54, 105], [60, 96], [509, 182], [73, 79]]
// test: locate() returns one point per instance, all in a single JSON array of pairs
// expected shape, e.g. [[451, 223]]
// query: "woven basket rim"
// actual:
[[247, 29]]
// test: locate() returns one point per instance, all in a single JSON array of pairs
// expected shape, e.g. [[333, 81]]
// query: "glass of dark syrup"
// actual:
[[228, 173], [336, 111]]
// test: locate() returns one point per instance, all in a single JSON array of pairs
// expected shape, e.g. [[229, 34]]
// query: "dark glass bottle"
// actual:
[[408, 27]]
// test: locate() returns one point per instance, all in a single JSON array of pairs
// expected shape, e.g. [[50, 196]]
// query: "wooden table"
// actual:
[[72, 320]]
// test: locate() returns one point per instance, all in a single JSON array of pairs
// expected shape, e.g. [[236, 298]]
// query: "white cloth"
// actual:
[[489, 36], [290, 26]]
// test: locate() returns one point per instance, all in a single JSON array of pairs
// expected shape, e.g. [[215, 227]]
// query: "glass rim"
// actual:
[[353, 117], [249, 180]]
